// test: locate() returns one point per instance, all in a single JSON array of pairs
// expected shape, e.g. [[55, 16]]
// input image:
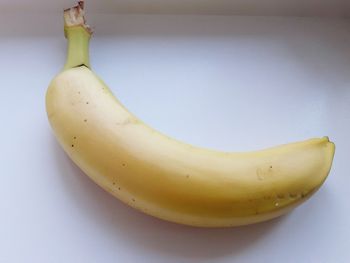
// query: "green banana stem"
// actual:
[[78, 34], [78, 47]]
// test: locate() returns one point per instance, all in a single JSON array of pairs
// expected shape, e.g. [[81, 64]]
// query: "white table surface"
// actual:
[[228, 83]]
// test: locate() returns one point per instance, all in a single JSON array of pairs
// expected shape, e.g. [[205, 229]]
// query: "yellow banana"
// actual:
[[163, 177]]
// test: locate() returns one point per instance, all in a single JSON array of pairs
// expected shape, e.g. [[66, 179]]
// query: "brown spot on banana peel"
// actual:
[[293, 195], [280, 196]]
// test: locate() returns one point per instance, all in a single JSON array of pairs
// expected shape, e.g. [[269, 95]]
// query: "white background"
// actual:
[[228, 83]]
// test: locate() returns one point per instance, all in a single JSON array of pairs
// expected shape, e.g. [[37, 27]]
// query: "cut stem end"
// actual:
[[75, 16]]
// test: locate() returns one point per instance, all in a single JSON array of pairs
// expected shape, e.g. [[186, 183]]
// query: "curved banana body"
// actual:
[[172, 180]]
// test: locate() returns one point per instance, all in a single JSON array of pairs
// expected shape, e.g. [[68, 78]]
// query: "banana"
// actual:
[[161, 176]]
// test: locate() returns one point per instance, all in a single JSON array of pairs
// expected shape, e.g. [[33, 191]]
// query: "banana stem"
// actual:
[[78, 34], [78, 47]]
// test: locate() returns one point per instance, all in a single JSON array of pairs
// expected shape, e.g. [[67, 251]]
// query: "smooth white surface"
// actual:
[[229, 83]]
